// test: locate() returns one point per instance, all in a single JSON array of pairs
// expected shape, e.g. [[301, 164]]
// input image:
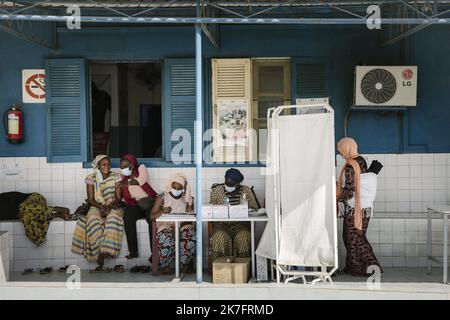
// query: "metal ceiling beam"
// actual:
[[410, 30], [260, 21], [32, 38], [413, 30]]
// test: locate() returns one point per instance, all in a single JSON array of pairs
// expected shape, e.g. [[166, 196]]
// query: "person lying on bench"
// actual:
[[33, 212]]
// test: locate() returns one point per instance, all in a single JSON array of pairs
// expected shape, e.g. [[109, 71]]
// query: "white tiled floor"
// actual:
[[395, 283]]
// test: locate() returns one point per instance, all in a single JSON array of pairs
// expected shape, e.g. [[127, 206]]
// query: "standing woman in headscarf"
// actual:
[[231, 238], [99, 234], [356, 219], [135, 188], [177, 198]]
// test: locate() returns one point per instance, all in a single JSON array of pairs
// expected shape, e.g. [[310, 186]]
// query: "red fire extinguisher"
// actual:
[[13, 122]]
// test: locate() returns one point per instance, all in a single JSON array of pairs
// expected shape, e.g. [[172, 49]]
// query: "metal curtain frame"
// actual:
[[323, 275]]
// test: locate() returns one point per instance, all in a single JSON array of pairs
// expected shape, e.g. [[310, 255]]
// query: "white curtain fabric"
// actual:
[[307, 185], [266, 247]]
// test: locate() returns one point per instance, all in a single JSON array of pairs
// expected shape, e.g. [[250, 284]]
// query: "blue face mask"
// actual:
[[176, 193], [229, 189], [126, 172]]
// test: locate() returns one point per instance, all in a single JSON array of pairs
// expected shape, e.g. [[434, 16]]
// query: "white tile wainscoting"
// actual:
[[4, 256], [397, 242], [407, 184]]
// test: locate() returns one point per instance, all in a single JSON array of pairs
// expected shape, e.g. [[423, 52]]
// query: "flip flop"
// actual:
[[63, 269], [28, 271], [46, 270], [119, 268], [144, 269], [101, 270], [135, 269]]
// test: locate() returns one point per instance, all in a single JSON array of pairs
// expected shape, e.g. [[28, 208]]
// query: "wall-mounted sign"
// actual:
[[33, 86]]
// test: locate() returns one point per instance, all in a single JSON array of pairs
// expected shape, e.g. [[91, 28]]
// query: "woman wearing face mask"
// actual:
[[99, 234], [231, 239], [135, 189], [176, 198]]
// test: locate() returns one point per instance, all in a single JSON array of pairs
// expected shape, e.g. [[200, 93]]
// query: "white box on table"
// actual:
[[238, 211], [207, 210], [220, 212]]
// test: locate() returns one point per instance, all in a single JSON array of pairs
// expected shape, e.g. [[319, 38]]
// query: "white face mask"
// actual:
[[229, 189], [126, 172], [176, 193]]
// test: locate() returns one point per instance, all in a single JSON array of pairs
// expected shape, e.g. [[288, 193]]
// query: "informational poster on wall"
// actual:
[[33, 85], [232, 117]]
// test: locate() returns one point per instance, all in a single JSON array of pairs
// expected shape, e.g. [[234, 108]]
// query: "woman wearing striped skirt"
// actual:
[[99, 234]]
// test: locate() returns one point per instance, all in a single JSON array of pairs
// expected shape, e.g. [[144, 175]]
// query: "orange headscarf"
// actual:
[[348, 149]]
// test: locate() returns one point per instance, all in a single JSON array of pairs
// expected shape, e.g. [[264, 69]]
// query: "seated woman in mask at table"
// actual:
[[231, 238], [177, 198]]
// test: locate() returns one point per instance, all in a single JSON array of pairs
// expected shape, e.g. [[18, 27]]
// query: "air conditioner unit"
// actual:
[[389, 86]]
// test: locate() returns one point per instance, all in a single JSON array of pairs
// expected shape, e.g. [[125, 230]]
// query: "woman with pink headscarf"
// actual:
[[176, 198], [360, 254]]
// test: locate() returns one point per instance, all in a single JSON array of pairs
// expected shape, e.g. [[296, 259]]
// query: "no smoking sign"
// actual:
[[33, 86]]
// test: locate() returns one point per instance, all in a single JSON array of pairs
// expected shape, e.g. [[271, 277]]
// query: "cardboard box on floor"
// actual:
[[231, 270]]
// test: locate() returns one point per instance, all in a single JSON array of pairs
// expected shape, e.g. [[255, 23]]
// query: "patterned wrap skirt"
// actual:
[[34, 214], [360, 255], [165, 238], [94, 235], [230, 239]]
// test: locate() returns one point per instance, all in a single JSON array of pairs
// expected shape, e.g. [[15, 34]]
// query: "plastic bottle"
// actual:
[[244, 200]]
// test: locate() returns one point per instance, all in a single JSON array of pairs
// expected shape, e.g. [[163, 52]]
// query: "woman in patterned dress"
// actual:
[[176, 198], [231, 238], [99, 234], [360, 254]]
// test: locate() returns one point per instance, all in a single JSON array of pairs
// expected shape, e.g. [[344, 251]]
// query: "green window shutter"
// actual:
[[66, 105], [179, 103], [310, 77]]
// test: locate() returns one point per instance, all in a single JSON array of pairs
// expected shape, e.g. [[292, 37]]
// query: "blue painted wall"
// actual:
[[427, 125]]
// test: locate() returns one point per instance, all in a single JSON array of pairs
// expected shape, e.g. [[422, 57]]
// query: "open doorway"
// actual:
[[126, 109]]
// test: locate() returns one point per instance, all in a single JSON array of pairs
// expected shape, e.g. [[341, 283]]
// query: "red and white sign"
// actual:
[[33, 86]]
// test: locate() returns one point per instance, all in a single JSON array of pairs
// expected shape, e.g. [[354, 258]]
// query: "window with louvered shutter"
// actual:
[[310, 77], [66, 104], [231, 86], [179, 100]]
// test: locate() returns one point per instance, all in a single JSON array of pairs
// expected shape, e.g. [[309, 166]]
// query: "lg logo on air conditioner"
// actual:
[[407, 75]]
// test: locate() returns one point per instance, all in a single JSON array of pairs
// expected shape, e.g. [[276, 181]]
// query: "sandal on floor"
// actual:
[[28, 271], [144, 269], [46, 270], [63, 269], [101, 270], [135, 269], [119, 268], [165, 270]]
